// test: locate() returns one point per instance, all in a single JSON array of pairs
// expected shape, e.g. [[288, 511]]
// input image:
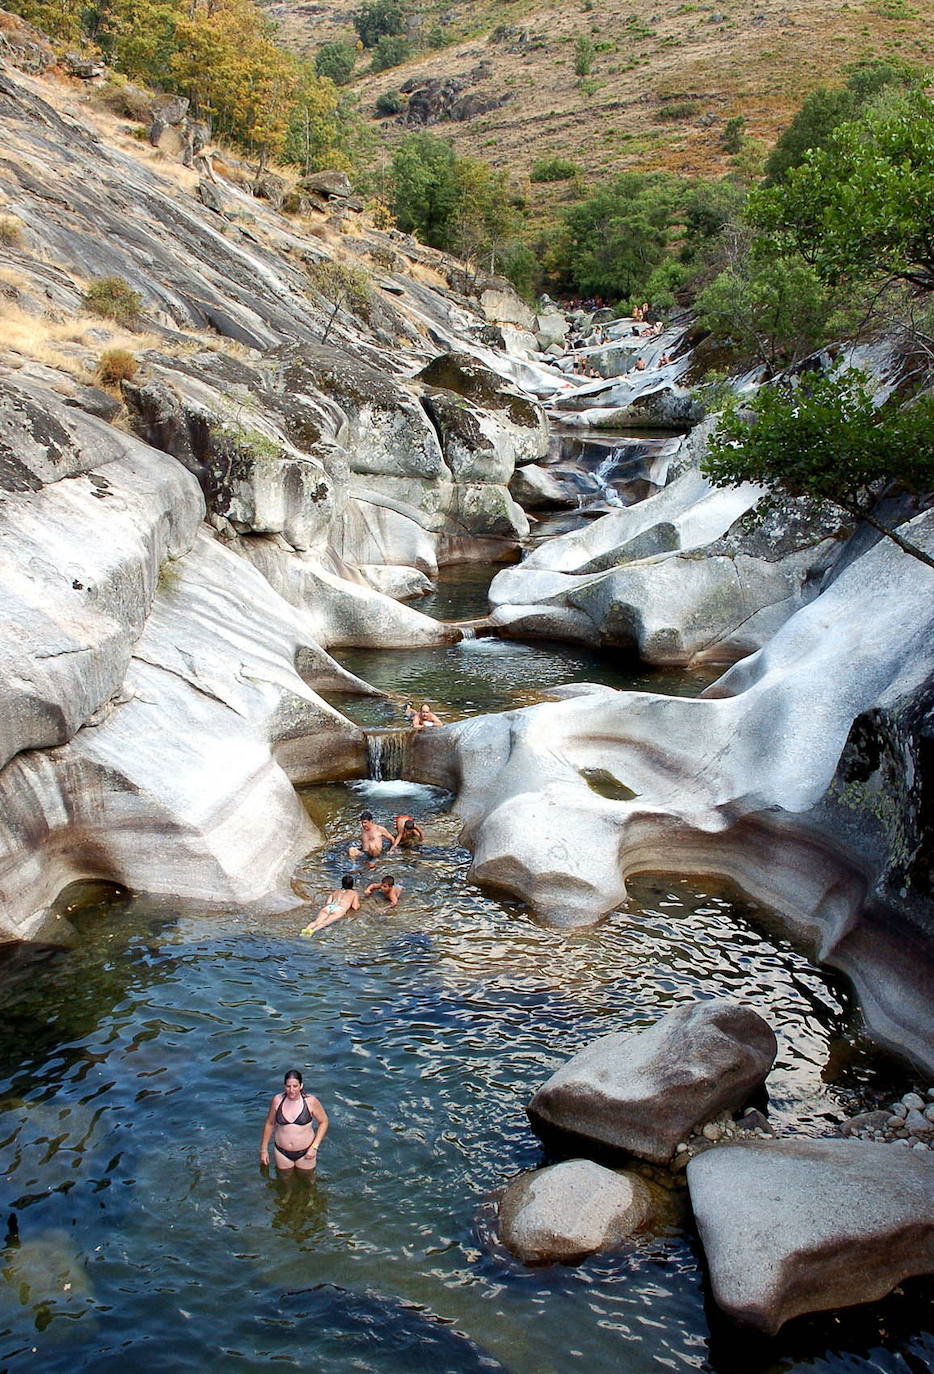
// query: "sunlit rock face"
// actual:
[[794, 1226], [677, 579], [643, 1093], [154, 719], [761, 782]]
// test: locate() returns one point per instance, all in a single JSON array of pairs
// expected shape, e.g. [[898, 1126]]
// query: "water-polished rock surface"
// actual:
[[645, 1093], [793, 1226]]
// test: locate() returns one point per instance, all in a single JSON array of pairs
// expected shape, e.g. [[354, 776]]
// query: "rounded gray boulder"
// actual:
[[645, 1092], [561, 1214]]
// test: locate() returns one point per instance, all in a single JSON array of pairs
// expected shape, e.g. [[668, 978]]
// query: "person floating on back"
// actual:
[[337, 905], [371, 838], [391, 890], [408, 834]]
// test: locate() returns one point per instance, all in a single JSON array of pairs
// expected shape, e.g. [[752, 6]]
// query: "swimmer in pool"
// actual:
[[408, 834], [371, 838], [336, 906], [425, 716], [296, 1134], [390, 889]]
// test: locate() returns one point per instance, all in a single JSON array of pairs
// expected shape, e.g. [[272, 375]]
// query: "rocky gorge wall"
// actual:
[[285, 470]]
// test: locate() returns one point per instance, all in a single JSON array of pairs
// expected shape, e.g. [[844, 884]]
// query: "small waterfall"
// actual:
[[387, 755], [467, 632], [602, 473]]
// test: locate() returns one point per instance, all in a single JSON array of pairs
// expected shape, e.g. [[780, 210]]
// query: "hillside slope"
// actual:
[[663, 83]]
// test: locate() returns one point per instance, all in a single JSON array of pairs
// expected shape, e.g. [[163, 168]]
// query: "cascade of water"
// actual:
[[387, 755], [468, 632], [602, 474]]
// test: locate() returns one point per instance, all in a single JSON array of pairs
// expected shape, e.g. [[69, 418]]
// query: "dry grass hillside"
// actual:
[[665, 77]]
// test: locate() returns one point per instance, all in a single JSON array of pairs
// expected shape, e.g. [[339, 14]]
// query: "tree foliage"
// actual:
[[827, 107], [827, 440], [771, 308], [863, 206], [222, 54], [378, 19], [336, 62]]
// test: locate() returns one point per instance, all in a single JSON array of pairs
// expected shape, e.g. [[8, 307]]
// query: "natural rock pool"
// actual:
[[136, 1068]]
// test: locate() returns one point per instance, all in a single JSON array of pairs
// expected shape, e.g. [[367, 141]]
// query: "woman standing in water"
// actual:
[[297, 1124]]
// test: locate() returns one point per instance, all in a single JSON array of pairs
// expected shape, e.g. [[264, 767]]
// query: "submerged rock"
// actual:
[[571, 1210], [647, 1091], [796, 1226]]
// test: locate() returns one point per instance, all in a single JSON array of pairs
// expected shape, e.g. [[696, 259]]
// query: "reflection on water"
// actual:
[[136, 1069], [493, 675]]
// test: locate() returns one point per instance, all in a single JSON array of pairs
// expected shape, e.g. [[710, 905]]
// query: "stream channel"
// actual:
[[136, 1068]]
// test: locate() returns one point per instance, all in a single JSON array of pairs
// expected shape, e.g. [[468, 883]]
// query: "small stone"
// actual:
[[899, 1109], [894, 1122], [754, 1120], [903, 1140], [913, 1102], [919, 1145], [680, 1148], [918, 1124], [712, 1131], [929, 1111]]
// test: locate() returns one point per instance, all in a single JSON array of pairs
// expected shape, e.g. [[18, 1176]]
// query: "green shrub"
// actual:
[[553, 169], [583, 55], [341, 284], [388, 103], [379, 19], [678, 109], [115, 366], [734, 132], [11, 232], [113, 298], [391, 50], [335, 61]]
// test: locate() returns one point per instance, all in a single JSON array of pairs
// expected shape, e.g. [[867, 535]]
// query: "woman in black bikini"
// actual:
[[297, 1123]]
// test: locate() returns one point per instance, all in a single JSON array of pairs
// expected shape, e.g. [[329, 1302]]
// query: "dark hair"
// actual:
[[388, 879], [408, 824], [347, 880], [366, 815], [294, 1073]]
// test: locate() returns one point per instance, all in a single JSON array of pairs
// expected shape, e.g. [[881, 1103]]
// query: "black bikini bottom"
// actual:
[[293, 1155]]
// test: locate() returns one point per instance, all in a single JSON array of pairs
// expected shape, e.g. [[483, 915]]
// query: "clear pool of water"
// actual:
[[135, 1072]]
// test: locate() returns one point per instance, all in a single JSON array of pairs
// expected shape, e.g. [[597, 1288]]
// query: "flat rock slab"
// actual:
[[646, 1092], [794, 1226], [571, 1210]]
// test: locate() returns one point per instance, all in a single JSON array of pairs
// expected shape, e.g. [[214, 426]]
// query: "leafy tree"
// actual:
[[828, 441], [391, 49], [425, 189], [388, 103], [734, 132], [825, 109], [771, 308], [820, 113], [315, 126], [614, 239], [336, 62], [378, 18], [58, 18], [583, 55], [863, 206]]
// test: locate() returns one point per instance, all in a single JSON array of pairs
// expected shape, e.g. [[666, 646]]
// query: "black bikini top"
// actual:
[[304, 1117]]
